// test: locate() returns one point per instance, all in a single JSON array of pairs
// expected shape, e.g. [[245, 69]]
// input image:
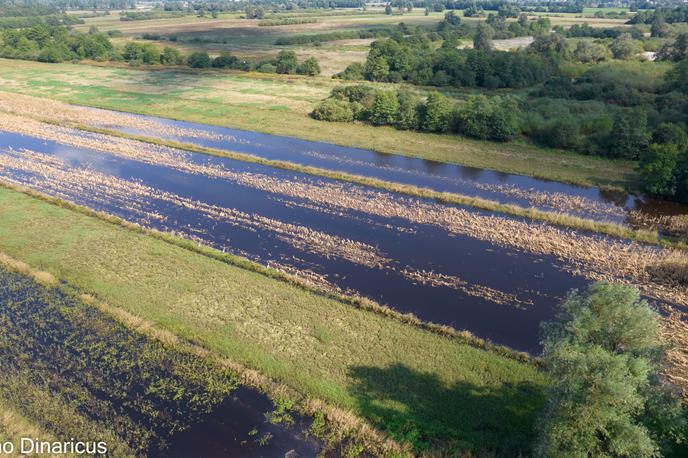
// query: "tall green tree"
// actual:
[[286, 62], [385, 108], [629, 137], [602, 353], [437, 113], [658, 170], [483, 37]]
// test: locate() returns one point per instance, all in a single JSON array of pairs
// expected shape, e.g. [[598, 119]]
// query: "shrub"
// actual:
[[267, 67], [333, 110], [354, 71], [309, 67], [145, 53], [171, 56], [225, 60], [199, 59]]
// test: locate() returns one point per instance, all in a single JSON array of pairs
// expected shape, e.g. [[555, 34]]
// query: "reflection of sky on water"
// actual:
[[418, 247], [435, 175]]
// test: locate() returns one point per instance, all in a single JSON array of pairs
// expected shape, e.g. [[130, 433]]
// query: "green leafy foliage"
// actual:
[[603, 353], [199, 59], [53, 44]]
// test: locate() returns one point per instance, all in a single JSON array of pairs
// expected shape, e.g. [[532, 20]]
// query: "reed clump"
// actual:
[[671, 271]]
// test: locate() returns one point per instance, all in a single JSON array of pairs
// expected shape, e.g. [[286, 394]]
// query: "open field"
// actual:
[[377, 367], [246, 38], [280, 105]]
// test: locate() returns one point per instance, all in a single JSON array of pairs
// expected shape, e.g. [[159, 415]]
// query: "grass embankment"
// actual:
[[280, 105], [421, 388]]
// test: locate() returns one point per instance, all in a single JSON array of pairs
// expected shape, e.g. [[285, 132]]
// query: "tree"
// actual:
[[658, 170], [451, 21], [629, 137], [309, 67], [549, 45], [199, 59], [376, 68], [286, 62], [384, 109], [677, 77], [602, 353], [591, 52], [659, 29], [624, 47], [407, 115], [483, 37], [494, 118], [54, 53], [388, 9], [437, 113]]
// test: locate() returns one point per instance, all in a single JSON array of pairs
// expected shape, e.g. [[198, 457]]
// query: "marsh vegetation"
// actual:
[[373, 285]]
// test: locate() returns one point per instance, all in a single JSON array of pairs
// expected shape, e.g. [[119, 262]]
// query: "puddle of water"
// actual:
[[126, 384]]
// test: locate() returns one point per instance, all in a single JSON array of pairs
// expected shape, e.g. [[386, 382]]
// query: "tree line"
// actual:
[[487, 118], [55, 44], [414, 59], [613, 110]]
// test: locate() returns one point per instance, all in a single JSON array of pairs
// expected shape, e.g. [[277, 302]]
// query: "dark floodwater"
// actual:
[[238, 427], [535, 283], [41, 327], [503, 187]]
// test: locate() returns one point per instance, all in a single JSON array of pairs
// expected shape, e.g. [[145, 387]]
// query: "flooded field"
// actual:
[[592, 203], [90, 378], [498, 277]]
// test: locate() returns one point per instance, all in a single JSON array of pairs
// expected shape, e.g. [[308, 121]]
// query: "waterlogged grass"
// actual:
[[556, 218], [426, 390], [220, 98], [69, 370]]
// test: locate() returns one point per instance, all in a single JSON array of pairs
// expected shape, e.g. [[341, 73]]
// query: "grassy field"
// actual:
[[280, 105], [246, 38], [419, 387]]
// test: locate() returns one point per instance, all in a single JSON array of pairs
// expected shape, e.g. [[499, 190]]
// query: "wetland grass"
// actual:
[[29, 126], [222, 101], [267, 326]]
